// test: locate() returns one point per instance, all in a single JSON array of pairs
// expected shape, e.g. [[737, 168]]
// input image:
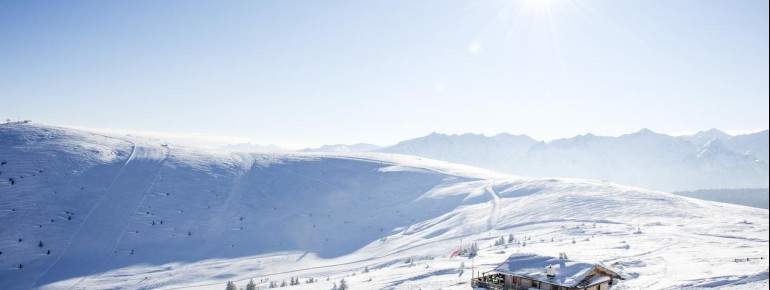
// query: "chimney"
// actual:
[[550, 271]]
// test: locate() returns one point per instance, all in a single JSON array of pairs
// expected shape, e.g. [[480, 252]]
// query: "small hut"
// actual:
[[522, 271]]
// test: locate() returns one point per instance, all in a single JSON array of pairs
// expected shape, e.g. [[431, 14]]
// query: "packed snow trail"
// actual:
[[494, 216], [98, 234]]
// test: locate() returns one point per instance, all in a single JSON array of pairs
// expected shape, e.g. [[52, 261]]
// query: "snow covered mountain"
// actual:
[[359, 147], [86, 211], [644, 158]]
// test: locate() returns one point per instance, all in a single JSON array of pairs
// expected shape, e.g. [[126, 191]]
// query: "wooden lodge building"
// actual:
[[523, 271]]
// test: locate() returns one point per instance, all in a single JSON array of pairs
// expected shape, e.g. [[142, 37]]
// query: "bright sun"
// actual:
[[539, 5]]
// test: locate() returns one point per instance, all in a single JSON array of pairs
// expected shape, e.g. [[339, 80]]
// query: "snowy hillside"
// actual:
[[710, 159], [86, 211]]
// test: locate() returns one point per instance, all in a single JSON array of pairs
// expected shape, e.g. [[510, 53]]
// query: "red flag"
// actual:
[[455, 253]]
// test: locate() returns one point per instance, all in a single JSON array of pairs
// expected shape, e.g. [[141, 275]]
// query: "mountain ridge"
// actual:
[[644, 158]]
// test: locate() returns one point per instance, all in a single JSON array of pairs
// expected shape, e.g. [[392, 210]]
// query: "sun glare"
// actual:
[[538, 4]]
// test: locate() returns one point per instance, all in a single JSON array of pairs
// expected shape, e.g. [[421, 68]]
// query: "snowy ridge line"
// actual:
[[438, 166]]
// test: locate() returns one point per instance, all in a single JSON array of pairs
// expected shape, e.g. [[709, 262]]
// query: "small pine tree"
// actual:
[[474, 250], [251, 285], [40, 244], [334, 287], [511, 238], [344, 285], [366, 269], [231, 286], [283, 283]]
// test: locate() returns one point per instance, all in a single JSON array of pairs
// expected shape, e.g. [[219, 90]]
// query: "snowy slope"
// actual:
[[146, 215], [643, 158]]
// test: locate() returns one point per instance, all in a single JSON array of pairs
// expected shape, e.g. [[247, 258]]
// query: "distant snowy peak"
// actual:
[[360, 147], [712, 134], [466, 139], [703, 137]]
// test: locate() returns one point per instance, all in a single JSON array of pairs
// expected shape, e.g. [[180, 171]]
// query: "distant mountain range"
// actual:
[[360, 147], [708, 159]]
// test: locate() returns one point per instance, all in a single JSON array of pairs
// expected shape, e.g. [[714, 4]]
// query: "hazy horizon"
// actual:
[[218, 141]]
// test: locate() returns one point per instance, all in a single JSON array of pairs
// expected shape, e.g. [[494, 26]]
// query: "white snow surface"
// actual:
[[123, 212]]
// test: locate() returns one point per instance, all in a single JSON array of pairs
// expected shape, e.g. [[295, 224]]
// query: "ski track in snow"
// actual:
[[135, 210], [494, 216]]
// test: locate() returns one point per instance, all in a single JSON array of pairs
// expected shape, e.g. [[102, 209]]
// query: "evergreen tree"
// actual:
[[283, 283], [366, 269], [335, 286], [251, 285], [511, 238], [231, 286], [344, 285]]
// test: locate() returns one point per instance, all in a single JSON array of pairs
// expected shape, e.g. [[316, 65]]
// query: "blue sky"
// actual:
[[305, 73]]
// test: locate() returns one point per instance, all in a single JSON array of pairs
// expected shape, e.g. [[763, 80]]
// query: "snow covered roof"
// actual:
[[532, 266]]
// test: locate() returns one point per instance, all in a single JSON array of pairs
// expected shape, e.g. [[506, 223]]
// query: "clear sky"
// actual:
[[306, 73]]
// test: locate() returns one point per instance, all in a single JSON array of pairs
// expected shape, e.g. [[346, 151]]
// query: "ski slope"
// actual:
[[133, 213]]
